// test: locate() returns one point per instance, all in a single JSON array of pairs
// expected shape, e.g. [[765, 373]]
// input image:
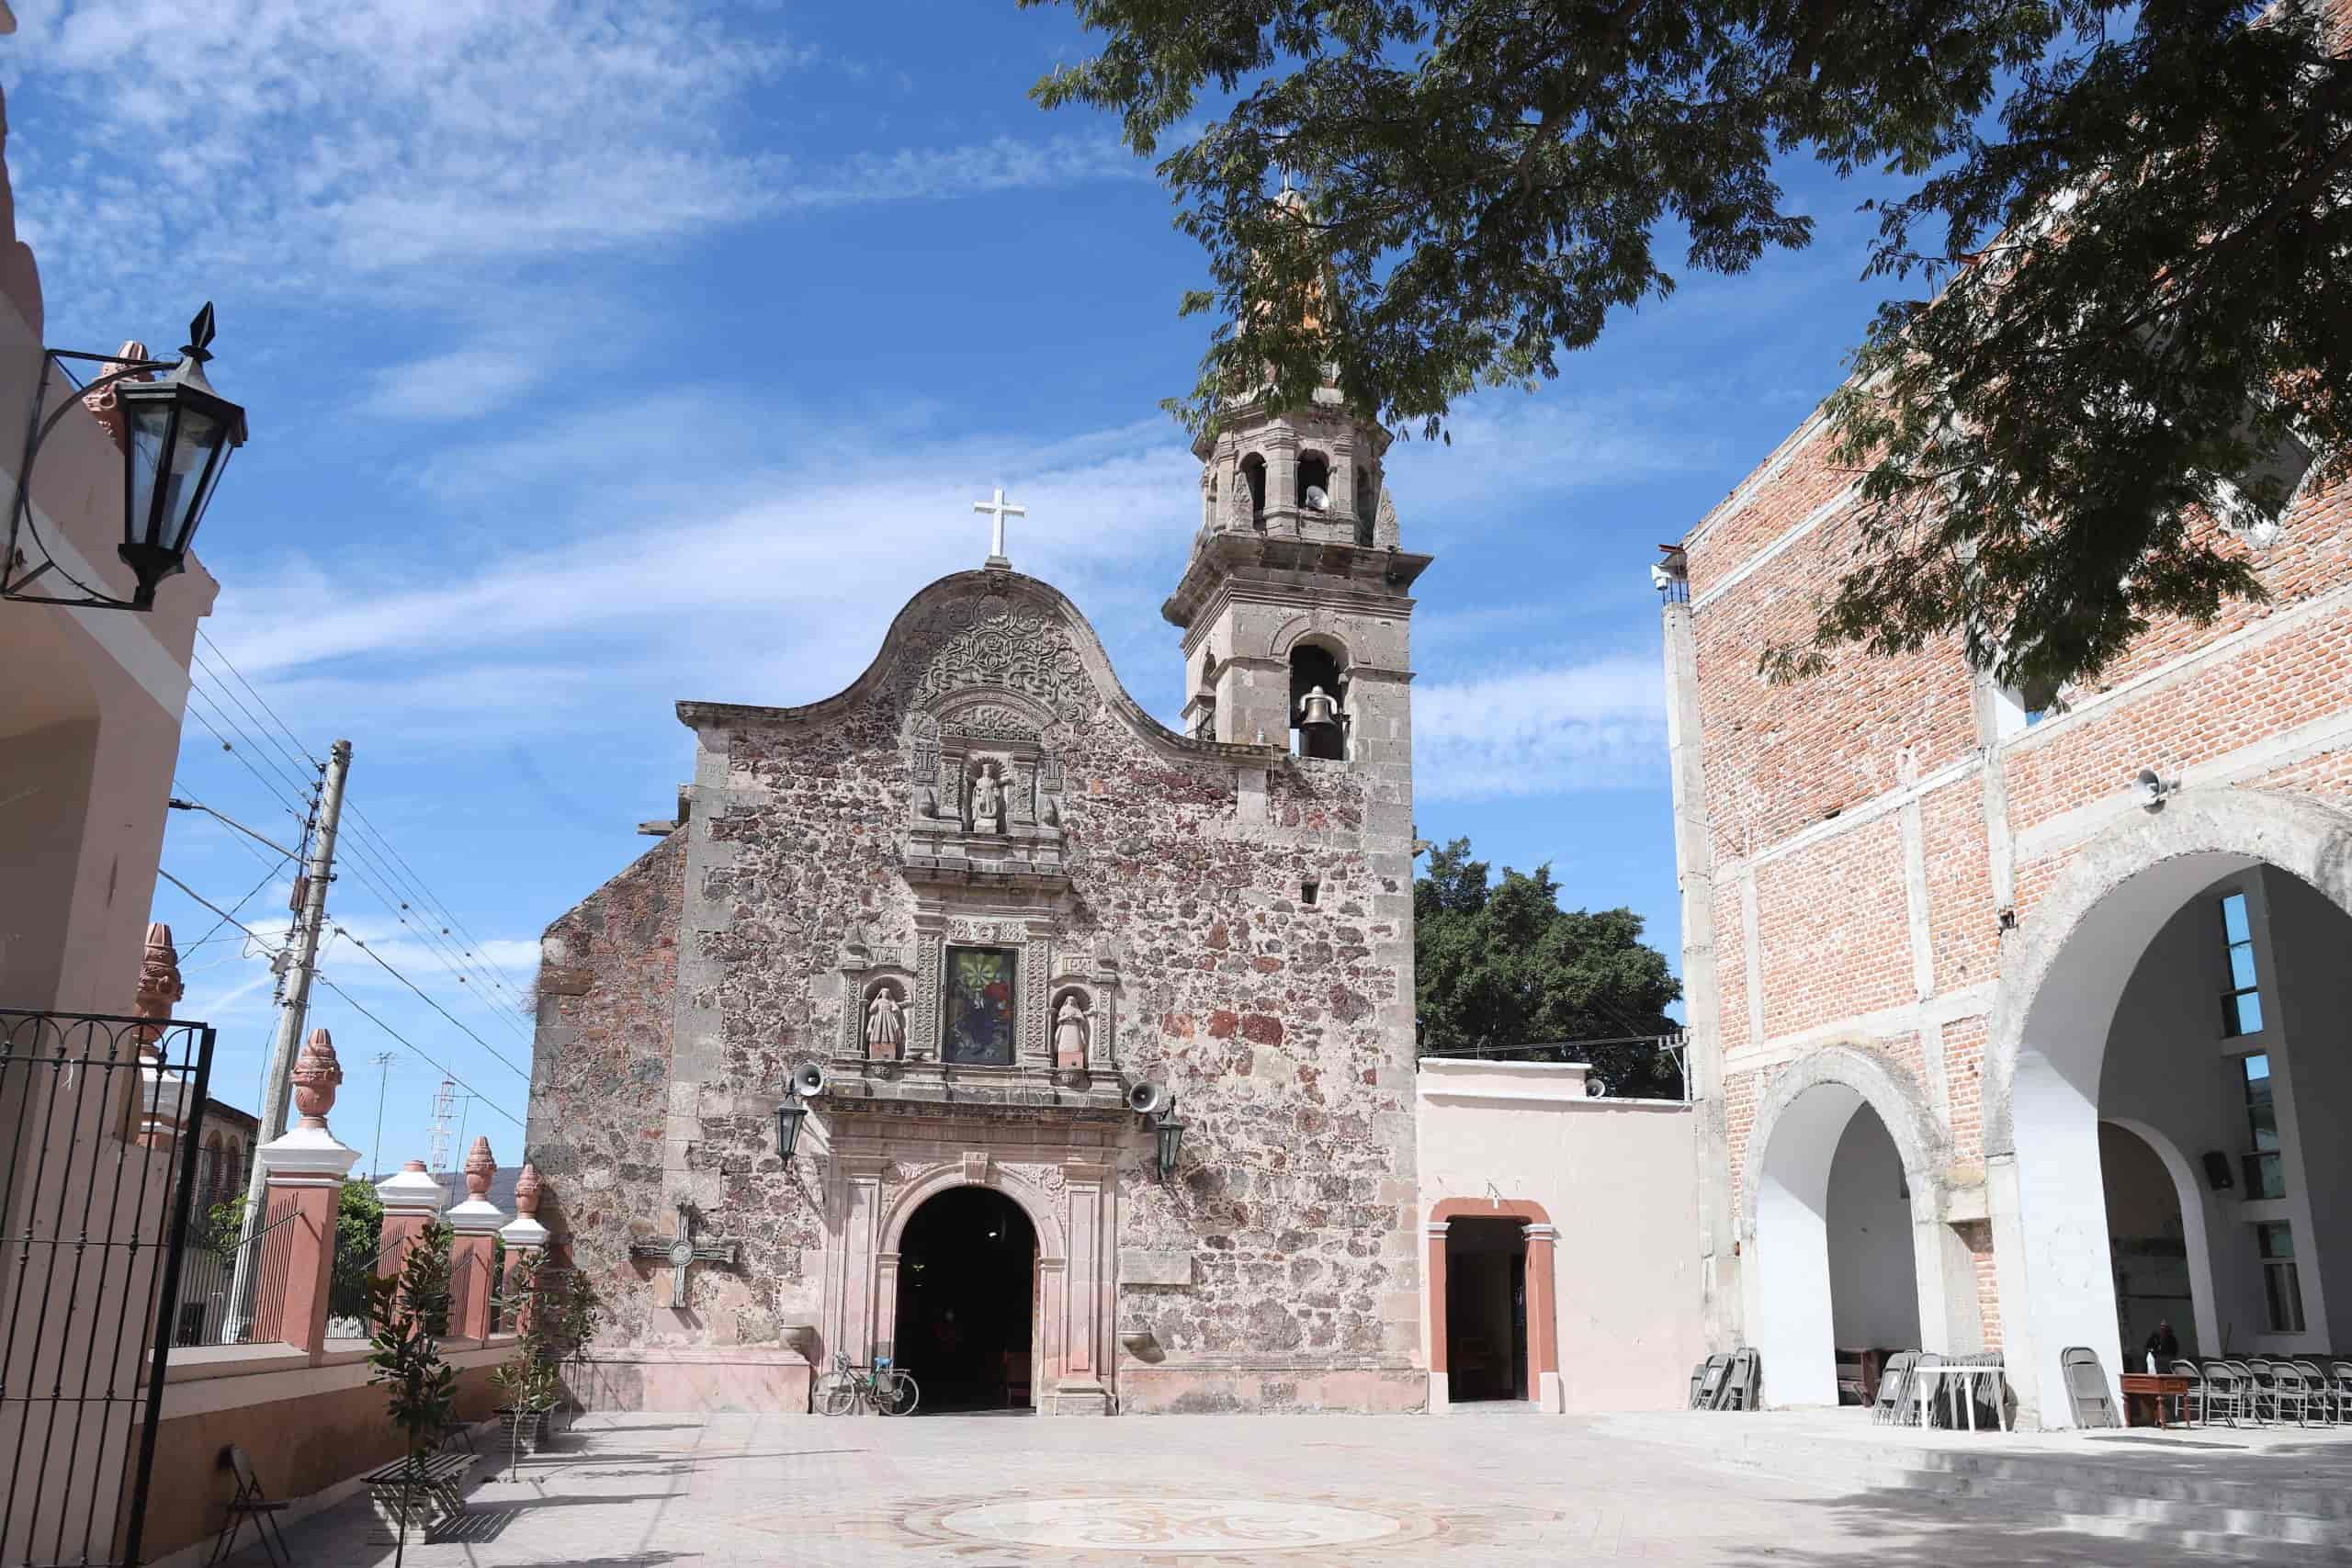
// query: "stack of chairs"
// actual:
[[1728, 1381], [1898, 1394]]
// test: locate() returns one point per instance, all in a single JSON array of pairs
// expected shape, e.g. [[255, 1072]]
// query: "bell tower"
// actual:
[[1297, 586]]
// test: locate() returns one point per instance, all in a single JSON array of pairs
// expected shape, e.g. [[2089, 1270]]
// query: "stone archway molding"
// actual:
[[2063, 974], [1785, 1274], [1544, 1388], [2295, 833]]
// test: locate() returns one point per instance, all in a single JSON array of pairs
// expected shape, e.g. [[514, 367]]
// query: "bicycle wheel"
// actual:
[[898, 1396], [836, 1395]]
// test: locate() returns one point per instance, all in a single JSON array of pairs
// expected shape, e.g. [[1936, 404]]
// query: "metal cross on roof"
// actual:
[[999, 509], [682, 1250]]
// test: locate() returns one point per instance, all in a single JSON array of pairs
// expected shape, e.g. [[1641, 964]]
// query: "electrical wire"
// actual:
[[216, 910], [520, 1071], [445, 1072]]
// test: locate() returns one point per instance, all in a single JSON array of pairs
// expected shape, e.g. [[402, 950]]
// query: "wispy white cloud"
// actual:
[[377, 144], [1599, 724]]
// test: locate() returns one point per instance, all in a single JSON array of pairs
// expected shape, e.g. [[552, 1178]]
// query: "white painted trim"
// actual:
[[1747, 569], [2059, 834], [1908, 1017], [1774, 464], [1563, 1102], [1860, 816]]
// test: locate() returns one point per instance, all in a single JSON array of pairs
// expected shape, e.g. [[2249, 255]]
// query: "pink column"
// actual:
[[1440, 1391], [477, 1222], [1543, 1319], [304, 1171], [524, 1236], [412, 1201]]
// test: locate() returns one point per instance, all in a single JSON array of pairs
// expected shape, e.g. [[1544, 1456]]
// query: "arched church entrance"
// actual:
[[1836, 1276], [967, 1301], [2165, 1082]]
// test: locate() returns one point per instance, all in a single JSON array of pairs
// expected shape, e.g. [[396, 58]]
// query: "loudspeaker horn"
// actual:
[[1147, 1096], [808, 1080]]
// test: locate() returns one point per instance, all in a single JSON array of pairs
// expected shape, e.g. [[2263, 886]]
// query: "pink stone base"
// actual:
[[754, 1379], [1176, 1391]]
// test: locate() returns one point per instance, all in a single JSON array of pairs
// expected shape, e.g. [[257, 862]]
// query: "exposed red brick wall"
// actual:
[[1834, 931], [1963, 927], [1964, 1087]]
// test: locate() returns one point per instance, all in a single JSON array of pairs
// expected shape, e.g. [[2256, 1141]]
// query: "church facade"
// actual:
[[997, 907]]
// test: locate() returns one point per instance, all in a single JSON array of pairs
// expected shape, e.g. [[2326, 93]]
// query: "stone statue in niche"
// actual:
[[1069, 1032], [988, 801], [885, 1030]]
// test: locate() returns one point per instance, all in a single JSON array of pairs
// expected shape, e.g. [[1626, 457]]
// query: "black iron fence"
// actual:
[[100, 1126], [207, 1310]]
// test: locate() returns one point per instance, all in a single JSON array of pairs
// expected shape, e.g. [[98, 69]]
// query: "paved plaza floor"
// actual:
[[1199, 1492]]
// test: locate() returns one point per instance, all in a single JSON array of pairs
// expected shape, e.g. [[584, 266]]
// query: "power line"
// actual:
[[220, 689], [435, 1006], [277, 794], [430, 900], [404, 1040], [216, 910], [437, 945], [229, 915]]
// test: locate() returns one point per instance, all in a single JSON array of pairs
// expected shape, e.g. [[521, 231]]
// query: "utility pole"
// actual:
[[383, 1060], [294, 1010]]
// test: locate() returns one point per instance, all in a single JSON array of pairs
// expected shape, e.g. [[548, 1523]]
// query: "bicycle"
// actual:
[[885, 1390]]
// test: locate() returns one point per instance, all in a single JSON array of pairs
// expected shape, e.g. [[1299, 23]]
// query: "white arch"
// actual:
[[2191, 1199], [1784, 1214], [2048, 1045]]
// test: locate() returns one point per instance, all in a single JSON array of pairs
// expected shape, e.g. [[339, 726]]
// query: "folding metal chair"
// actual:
[[2340, 1382], [1893, 1405], [2249, 1389], [249, 1503], [2197, 1405], [2087, 1385]]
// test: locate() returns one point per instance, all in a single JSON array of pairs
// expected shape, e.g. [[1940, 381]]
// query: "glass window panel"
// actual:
[[2242, 1014], [2284, 1295], [2257, 1074], [2242, 967], [2266, 1176], [2275, 1238], [2233, 919], [2262, 1122]]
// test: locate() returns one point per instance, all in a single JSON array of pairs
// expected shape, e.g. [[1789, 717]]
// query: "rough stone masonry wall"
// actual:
[[1284, 1028], [1868, 831]]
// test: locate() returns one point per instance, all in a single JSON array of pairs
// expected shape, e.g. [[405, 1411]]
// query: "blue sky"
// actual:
[[602, 354]]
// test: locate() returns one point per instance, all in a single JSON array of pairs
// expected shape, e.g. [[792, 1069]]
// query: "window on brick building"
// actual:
[[2022, 708], [1253, 474], [2265, 1175], [2242, 1003], [2282, 1288]]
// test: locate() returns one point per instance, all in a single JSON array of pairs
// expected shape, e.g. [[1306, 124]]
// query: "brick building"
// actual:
[[2019, 1020], [991, 897]]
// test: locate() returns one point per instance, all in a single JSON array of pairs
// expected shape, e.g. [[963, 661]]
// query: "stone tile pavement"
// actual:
[[1199, 1492]]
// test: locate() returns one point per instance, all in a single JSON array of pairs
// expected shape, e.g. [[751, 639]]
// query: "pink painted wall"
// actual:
[[1618, 1180]]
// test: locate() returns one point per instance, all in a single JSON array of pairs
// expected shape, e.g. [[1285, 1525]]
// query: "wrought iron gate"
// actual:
[[100, 1121]]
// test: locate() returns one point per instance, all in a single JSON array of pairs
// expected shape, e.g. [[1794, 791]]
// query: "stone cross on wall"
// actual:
[[682, 1250], [998, 509]]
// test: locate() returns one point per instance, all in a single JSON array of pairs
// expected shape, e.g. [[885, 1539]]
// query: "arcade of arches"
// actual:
[[2170, 1158]]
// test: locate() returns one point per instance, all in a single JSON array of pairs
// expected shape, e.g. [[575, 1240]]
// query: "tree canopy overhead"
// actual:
[[1501, 965], [2123, 254]]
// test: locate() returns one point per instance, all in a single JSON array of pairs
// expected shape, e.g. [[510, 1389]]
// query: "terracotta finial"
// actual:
[[160, 987], [413, 1165], [317, 1075], [526, 1190], [479, 1167], [103, 403]]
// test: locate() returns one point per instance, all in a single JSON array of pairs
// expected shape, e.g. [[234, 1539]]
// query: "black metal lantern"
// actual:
[[1166, 1138], [788, 1117], [178, 433]]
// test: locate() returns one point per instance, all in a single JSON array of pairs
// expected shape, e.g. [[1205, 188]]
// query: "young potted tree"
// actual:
[[526, 1381], [575, 1315], [421, 1389]]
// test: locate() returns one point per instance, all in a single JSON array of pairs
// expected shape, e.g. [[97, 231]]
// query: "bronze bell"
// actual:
[[1317, 711]]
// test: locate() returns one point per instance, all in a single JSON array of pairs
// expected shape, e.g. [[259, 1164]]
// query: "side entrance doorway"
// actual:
[[967, 1301], [1493, 1324]]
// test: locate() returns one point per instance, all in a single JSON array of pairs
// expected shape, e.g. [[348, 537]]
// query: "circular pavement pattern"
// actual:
[[1166, 1524]]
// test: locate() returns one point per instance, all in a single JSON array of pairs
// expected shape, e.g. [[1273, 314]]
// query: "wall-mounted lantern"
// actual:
[[1166, 1139], [788, 1118], [177, 434]]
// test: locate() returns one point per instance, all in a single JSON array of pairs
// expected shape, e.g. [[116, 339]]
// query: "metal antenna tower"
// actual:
[[442, 1104]]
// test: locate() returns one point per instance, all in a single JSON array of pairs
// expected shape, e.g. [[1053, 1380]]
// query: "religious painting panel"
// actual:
[[978, 1012]]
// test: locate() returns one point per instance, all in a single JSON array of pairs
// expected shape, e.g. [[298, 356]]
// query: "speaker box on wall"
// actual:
[[2217, 1170]]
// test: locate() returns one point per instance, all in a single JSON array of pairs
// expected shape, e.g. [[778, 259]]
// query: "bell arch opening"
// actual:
[[1319, 727], [968, 1313], [1314, 482], [1253, 474]]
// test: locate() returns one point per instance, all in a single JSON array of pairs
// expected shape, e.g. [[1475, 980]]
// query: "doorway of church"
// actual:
[[1485, 1309], [968, 1290]]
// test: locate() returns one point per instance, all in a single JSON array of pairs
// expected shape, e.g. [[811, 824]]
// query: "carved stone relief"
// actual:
[[988, 641]]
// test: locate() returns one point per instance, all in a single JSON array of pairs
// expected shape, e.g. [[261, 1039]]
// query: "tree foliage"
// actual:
[[408, 1311], [1502, 965], [2126, 241]]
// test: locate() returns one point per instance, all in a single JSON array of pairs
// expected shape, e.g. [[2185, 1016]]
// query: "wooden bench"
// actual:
[[436, 1475]]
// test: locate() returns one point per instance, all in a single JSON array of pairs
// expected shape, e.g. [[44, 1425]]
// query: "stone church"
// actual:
[[996, 905]]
